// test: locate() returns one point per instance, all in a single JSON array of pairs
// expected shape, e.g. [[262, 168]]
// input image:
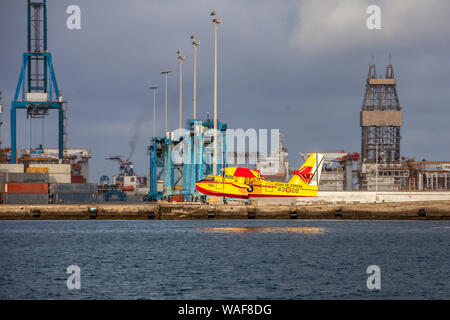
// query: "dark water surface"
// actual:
[[225, 259]]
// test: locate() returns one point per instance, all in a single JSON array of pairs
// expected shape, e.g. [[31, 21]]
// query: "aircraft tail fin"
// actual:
[[309, 173]]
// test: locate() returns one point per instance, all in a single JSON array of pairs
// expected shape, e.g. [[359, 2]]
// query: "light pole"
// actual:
[[376, 168], [181, 58], [154, 109], [195, 43], [216, 22], [165, 73], [1, 112]]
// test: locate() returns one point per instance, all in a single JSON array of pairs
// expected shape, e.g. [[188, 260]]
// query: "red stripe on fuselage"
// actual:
[[219, 194], [231, 195]]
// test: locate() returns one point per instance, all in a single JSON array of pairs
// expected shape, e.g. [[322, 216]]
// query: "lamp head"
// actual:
[[195, 42]]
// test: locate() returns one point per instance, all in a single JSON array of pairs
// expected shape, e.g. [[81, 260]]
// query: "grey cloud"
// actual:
[[267, 77]]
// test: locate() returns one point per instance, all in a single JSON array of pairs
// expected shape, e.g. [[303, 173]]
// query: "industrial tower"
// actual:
[[381, 118], [37, 90]]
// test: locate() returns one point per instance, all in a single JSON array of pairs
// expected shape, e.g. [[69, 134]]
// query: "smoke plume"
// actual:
[[136, 132]]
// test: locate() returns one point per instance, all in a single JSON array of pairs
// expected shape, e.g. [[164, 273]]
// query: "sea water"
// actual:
[[224, 259]]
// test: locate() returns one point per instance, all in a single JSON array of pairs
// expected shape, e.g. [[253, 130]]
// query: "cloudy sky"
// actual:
[[299, 66]]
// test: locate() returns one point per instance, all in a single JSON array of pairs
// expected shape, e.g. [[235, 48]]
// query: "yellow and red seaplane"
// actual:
[[245, 183]]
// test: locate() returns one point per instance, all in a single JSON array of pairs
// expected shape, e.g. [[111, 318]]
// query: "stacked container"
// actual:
[[25, 192], [33, 186], [37, 170], [26, 177], [11, 167], [57, 173], [73, 193], [78, 179], [18, 187]]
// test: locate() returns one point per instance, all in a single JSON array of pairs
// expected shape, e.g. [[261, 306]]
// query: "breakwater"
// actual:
[[435, 210]]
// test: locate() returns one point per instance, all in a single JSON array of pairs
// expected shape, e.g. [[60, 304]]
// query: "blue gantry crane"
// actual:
[[179, 177], [156, 152], [37, 91]]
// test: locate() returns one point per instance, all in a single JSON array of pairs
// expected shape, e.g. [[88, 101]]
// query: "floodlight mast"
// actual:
[[195, 43], [181, 59], [216, 22], [154, 109], [165, 73]]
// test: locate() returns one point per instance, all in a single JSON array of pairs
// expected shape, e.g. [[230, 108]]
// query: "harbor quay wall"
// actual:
[[336, 197], [414, 210]]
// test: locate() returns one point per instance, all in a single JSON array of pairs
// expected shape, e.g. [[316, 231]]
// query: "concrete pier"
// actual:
[[361, 197], [417, 210]]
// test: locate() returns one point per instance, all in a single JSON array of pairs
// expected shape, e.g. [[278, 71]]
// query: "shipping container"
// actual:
[[21, 188], [15, 177], [176, 198], [36, 177], [37, 170], [11, 198], [73, 188], [68, 198], [12, 167], [59, 177], [78, 179], [3, 177], [26, 177], [52, 168], [133, 197]]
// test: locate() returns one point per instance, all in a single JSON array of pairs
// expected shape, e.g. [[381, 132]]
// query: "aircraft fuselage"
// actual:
[[255, 188]]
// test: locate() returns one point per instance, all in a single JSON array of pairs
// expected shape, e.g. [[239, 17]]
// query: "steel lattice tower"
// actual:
[[381, 118]]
